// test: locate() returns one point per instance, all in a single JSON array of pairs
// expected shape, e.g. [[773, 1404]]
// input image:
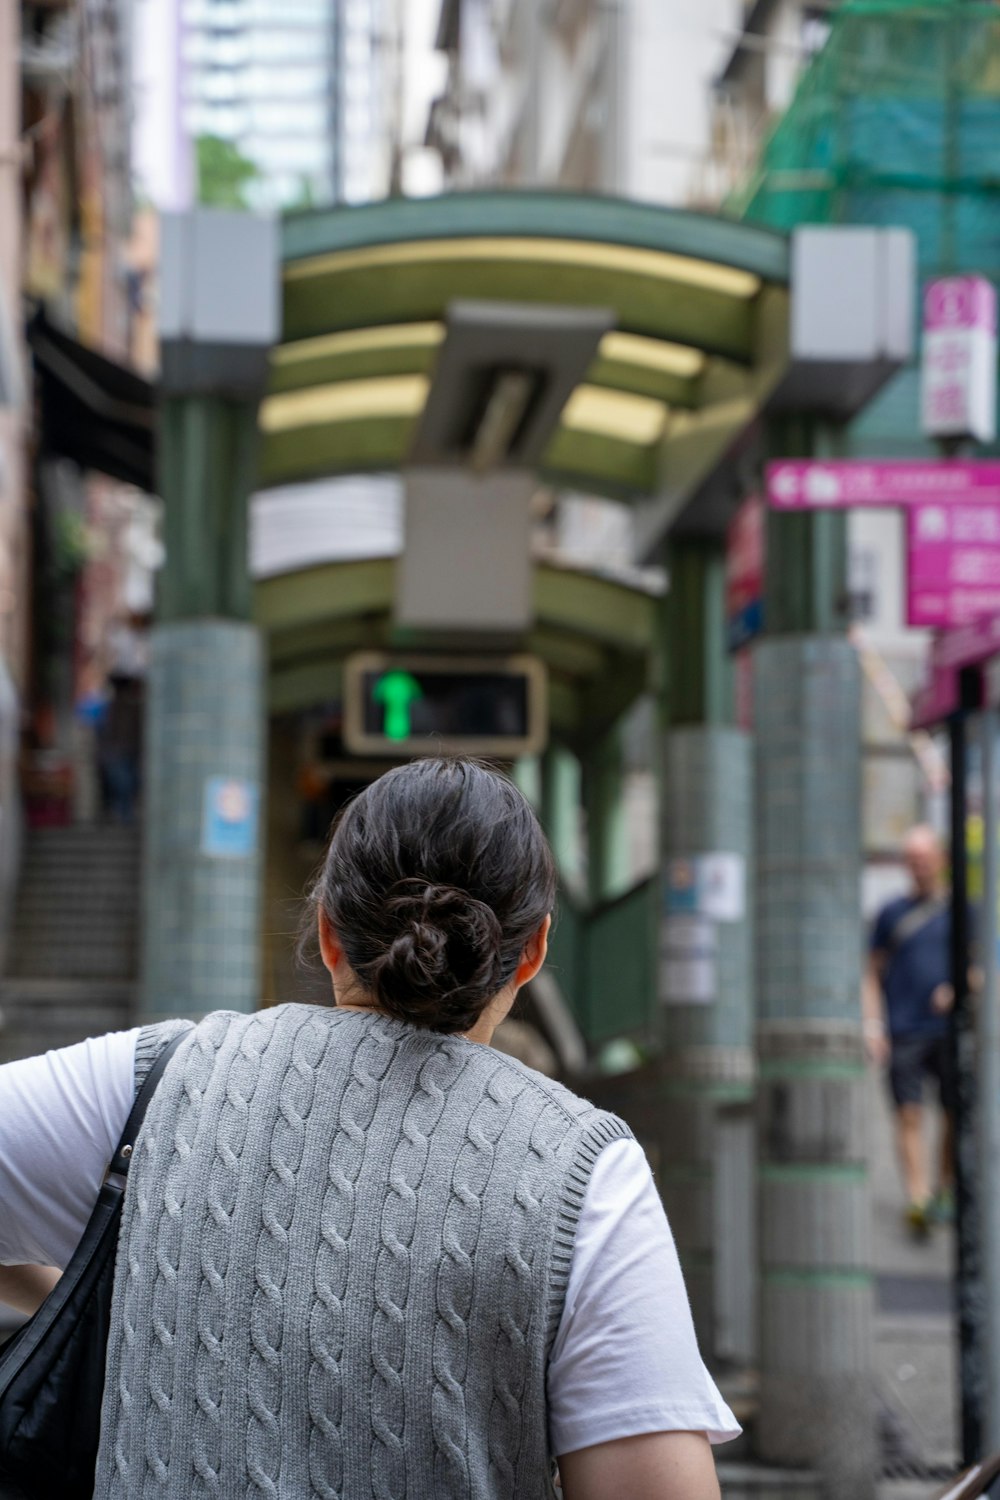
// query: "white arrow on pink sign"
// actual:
[[835, 484]]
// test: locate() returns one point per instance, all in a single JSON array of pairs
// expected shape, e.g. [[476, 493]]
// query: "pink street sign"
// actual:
[[960, 302], [810, 484], [958, 367], [953, 563]]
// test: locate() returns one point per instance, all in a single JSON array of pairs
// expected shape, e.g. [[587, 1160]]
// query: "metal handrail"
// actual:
[[975, 1482]]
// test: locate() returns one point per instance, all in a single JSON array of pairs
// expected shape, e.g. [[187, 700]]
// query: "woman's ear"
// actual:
[[330, 950], [534, 953]]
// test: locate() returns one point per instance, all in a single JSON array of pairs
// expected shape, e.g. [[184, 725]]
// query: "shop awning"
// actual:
[[93, 411]]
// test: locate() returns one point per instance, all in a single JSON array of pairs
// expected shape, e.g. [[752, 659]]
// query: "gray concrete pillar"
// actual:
[[706, 1067], [817, 1396], [205, 760]]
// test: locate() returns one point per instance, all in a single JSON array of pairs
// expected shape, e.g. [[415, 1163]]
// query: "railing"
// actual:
[[975, 1482], [604, 960]]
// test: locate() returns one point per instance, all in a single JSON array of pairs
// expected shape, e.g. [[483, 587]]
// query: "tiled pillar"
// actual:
[[205, 732], [201, 874], [817, 1394], [706, 967], [707, 1059]]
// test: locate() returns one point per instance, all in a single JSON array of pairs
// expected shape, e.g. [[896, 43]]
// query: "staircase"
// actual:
[[72, 961]]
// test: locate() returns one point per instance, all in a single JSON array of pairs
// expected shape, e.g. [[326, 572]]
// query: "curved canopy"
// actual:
[[593, 633], [698, 303]]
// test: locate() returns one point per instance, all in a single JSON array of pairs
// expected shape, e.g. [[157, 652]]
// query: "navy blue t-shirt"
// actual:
[[916, 967]]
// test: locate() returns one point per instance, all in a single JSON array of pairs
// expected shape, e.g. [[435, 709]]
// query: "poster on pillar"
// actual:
[[701, 891], [229, 817], [688, 960], [709, 885]]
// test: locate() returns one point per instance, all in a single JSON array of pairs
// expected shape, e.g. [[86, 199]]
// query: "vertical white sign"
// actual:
[[959, 364]]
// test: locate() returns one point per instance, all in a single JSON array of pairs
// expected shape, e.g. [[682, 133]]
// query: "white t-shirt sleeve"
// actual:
[[61, 1117], [625, 1358]]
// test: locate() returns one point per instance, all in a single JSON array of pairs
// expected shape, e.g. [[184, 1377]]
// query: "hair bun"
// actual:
[[445, 956]]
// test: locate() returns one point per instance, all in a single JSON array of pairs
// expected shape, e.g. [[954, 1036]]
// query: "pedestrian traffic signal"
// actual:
[[409, 705]]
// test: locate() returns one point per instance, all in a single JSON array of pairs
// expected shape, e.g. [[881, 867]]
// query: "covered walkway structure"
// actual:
[[488, 345]]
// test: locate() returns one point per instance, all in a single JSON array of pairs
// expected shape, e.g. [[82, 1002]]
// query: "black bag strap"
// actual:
[[123, 1151], [912, 921]]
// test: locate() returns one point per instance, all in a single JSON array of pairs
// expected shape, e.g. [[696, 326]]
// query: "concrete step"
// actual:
[[76, 915], [39, 1014]]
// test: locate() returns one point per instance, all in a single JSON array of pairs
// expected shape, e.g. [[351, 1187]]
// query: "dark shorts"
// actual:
[[915, 1058]]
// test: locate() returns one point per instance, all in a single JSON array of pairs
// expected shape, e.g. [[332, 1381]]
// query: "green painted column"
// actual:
[[607, 830], [205, 726], [706, 969], [817, 1393], [561, 809]]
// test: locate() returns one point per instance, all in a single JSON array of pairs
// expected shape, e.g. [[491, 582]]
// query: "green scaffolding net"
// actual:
[[896, 121]]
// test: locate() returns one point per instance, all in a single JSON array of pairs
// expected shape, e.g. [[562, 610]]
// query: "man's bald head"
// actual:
[[924, 858]]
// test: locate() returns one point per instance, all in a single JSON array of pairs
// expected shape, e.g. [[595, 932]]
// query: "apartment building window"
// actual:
[[815, 30]]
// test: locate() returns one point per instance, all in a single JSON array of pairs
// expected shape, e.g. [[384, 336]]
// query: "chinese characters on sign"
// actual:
[[959, 364], [953, 523], [953, 563], [806, 484]]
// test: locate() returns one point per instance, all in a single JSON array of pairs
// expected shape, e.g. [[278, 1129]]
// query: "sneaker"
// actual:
[[942, 1206], [918, 1220]]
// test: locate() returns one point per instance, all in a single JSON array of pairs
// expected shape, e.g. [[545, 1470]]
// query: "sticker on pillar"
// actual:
[[707, 885], [688, 965], [229, 817], [682, 886]]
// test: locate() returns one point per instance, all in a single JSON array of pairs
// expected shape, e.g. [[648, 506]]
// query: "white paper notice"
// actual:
[[689, 981], [722, 887], [688, 974]]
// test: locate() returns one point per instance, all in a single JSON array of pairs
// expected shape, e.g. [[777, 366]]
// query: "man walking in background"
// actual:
[[906, 999]]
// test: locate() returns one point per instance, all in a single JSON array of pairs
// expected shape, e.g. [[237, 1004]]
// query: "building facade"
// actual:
[[301, 88]]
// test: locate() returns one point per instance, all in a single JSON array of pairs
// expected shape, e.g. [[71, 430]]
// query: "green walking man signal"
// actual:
[[396, 691], [415, 703]]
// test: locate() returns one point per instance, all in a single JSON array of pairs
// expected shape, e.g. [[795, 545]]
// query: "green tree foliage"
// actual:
[[224, 173]]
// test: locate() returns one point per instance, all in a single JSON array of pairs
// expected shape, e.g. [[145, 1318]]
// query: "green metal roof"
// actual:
[[595, 635], [366, 293]]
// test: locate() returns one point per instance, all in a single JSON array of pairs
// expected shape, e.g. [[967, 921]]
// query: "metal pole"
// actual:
[[988, 1091], [966, 1227]]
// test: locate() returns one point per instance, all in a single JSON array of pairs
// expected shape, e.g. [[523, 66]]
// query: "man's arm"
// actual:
[[651, 1466], [25, 1288], [873, 1008]]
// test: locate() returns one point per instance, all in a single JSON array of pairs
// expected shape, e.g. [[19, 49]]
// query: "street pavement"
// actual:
[[915, 1330]]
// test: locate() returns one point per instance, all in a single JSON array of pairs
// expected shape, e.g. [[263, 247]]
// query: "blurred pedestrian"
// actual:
[[907, 998], [119, 747], [363, 1252]]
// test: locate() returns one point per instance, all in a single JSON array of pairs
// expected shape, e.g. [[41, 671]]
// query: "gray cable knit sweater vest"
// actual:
[[342, 1264]]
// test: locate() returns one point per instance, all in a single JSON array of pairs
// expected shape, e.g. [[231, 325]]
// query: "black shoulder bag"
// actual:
[[52, 1370]]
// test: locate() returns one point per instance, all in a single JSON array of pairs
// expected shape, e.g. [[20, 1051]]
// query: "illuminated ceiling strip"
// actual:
[[662, 265], [614, 414], [345, 401], [361, 341], [652, 354]]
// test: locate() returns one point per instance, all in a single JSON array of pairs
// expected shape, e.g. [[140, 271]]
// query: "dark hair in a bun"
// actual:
[[436, 877]]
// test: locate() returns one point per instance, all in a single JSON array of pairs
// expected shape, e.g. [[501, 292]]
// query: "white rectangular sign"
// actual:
[[959, 358]]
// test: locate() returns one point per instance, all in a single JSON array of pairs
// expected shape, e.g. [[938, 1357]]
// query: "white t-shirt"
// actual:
[[625, 1359]]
